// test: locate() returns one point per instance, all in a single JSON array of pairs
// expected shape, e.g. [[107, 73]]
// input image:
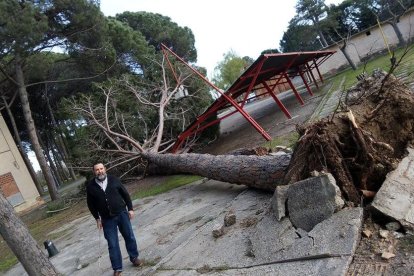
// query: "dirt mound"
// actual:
[[363, 141]]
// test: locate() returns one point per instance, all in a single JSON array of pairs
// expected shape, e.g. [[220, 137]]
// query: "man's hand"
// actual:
[[99, 223], [131, 214]]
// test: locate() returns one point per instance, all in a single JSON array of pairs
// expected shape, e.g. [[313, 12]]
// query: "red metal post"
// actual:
[[229, 99], [305, 82], [317, 70], [252, 83], [313, 77], [294, 89], [278, 102]]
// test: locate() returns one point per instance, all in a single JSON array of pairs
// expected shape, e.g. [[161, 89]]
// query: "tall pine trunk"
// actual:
[[348, 58], [31, 129], [401, 40], [19, 240], [262, 172], [59, 139]]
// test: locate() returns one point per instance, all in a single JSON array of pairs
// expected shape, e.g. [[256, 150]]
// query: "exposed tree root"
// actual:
[[360, 145]]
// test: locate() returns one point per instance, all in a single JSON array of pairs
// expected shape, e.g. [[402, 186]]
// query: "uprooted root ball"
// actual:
[[360, 144]]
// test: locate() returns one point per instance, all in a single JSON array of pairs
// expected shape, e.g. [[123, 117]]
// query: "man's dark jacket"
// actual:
[[110, 202]]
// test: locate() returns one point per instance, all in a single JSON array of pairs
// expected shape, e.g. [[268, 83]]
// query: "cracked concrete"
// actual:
[[174, 233]]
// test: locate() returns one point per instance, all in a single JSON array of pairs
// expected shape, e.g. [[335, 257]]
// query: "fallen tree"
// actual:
[[262, 172]]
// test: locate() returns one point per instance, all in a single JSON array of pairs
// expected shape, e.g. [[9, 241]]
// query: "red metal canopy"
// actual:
[[263, 77]]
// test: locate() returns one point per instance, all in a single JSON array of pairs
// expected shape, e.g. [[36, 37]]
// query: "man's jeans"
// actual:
[[110, 228]]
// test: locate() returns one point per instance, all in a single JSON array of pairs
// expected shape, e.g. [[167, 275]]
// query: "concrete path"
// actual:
[[174, 232]]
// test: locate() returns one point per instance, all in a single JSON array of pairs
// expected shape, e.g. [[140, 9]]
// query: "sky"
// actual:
[[246, 27]]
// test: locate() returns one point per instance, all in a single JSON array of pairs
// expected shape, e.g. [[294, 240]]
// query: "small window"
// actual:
[[368, 33]]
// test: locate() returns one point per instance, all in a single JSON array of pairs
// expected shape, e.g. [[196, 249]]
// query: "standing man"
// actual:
[[111, 206]]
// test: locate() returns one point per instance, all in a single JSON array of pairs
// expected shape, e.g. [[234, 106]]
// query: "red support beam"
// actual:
[[317, 70], [294, 89], [253, 82], [229, 99], [278, 102], [305, 82], [313, 77]]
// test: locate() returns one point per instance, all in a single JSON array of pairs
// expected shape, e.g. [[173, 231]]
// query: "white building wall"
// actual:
[[368, 42], [12, 162]]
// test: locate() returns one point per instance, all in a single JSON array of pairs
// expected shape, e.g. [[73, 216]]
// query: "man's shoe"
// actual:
[[117, 273], [136, 262]]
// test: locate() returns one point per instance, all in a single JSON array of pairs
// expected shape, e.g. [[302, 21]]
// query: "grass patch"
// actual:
[[288, 140], [379, 62], [169, 184], [7, 262]]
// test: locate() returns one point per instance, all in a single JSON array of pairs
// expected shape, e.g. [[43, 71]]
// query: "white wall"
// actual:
[[367, 42], [12, 162]]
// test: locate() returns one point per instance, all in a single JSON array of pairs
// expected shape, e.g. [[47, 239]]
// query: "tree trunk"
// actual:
[[323, 39], [59, 140], [20, 147], [262, 172], [57, 157], [46, 150], [19, 240], [348, 58], [31, 129], [401, 40]]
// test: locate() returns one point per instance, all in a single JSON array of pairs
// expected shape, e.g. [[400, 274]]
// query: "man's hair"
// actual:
[[96, 163]]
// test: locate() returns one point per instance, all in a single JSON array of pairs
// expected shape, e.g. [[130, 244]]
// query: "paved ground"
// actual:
[[174, 230]]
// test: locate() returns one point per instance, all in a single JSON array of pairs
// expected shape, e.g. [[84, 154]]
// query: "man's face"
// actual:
[[100, 171]]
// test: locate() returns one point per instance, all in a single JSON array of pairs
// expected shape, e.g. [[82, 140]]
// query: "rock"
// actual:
[[384, 233], [339, 202], [312, 200], [282, 148], [367, 233], [393, 226], [314, 173], [387, 255], [218, 230], [395, 198], [279, 153], [229, 218], [278, 201]]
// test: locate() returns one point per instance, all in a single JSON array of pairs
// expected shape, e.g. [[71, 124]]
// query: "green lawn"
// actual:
[[378, 62], [172, 182]]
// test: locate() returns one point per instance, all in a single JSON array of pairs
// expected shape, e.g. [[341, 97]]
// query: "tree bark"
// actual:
[[348, 58], [19, 240], [59, 140], [31, 129], [20, 147], [46, 150], [262, 172], [57, 157], [323, 39], [401, 40]]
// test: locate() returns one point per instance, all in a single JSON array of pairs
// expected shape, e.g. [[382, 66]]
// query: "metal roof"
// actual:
[[270, 67]]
